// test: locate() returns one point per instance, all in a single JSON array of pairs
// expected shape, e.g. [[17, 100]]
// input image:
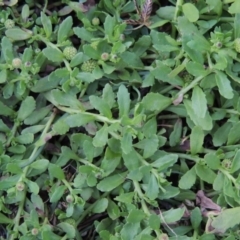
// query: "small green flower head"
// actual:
[[237, 45], [17, 63], [37, 50], [218, 44], [28, 64], [20, 186], [71, 221], [105, 56], [95, 21], [34, 231], [227, 163], [69, 52], [89, 66], [9, 23], [69, 198]]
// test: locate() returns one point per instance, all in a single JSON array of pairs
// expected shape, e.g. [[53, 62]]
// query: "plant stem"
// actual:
[[18, 216]]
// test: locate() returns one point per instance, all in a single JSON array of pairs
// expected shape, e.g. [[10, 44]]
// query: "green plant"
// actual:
[[110, 132]]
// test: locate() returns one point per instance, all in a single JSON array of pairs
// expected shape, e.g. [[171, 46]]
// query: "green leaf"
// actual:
[[53, 54], [142, 45], [24, 138], [126, 142], [155, 102], [78, 120], [205, 123], [196, 218], [135, 216], [165, 161], [60, 127], [101, 105], [64, 29], [226, 219], [221, 135], [40, 164], [101, 137], [188, 179], [111, 182], [18, 34], [132, 164], [84, 34], [108, 95], [47, 24], [150, 127], [212, 161], [129, 231], [132, 60], [5, 220], [199, 102], [191, 12], [68, 229], [152, 188], [196, 140], [236, 162], [175, 136], [166, 12], [57, 193], [27, 107], [235, 7], [154, 221], [100, 205], [109, 24], [224, 85], [203, 171], [123, 99], [55, 171], [7, 49], [113, 210], [172, 215], [5, 111], [37, 115], [234, 136], [66, 99], [3, 76], [149, 145], [33, 187]]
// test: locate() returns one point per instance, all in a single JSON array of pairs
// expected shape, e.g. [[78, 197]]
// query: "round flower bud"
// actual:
[[9, 23], [89, 66], [34, 231], [69, 52], [16, 62], [37, 50], [227, 163], [218, 44], [105, 56], [20, 186], [28, 64], [69, 198], [95, 21]]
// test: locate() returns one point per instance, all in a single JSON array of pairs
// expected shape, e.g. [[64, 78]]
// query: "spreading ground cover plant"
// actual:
[[120, 120]]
